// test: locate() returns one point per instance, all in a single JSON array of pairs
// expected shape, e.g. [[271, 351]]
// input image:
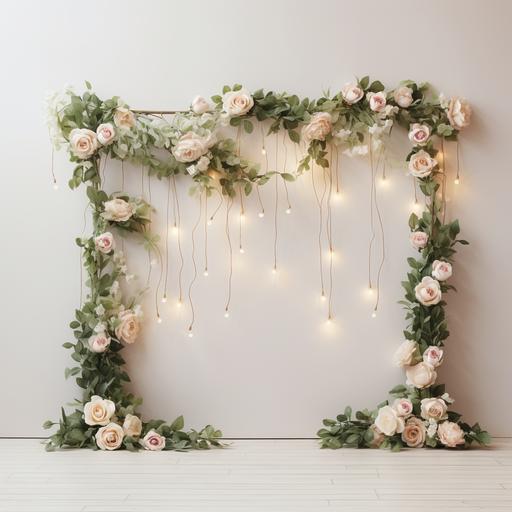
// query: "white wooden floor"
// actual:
[[253, 476]]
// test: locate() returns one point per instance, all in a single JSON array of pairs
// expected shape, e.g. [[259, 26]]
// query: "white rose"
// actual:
[[432, 428], [318, 127], [433, 356], [352, 93], [418, 239], [104, 242], [99, 342], [109, 437], [132, 425], [421, 164], [403, 96], [441, 270], [414, 433], [200, 105], [377, 101], [450, 434], [404, 355], [428, 292], [420, 375], [129, 326], [83, 142], [117, 210], [459, 113], [237, 103], [190, 147], [105, 133], [98, 411], [402, 406], [124, 118], [153, 441], [419, 133], [388, 421], [434, 408]]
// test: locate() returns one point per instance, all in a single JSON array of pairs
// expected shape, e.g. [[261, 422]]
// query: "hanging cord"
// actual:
[[443, 182], [457, 177], [329, 234], [262, 209], [229, 203], [52, 170], [372, 222], [194, 265], [221, 200], [167, 214], [241, 220], [205, 272], [289, 207], [150, 260], [177, 226], [276, 208], [319, 201]]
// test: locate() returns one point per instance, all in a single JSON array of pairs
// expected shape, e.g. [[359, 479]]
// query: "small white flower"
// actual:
[[447, 398], [129, 277], [359, 150], [100, 310], [100, 328], [114, 288], [137, 309], [432, 428], [192, 170]]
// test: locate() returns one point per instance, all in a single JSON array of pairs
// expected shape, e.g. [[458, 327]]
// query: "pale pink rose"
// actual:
[[352, 93], [190, 147], [421, 164], [132, 425], [433, 356], [117, 210], [403, 96], [124, 118], [109, 437], [419, 133], [434, 408], [414, 433], [104, 242], [153, 441], [83, 142], [378, 437], [98, 411], [450, 434], [420, 375], [129, 326], [459, 113], [428, 291], [377, 101], [318, 127], [106, 133], [237, 103], [402, 406], [418, 239], [405, 353], [388, 422], [441, 270], [99, 342], [200, 105]]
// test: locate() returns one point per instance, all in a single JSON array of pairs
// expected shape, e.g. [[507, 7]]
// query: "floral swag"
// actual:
[[357, 119]]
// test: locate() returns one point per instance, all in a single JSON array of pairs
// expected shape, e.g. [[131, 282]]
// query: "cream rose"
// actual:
[[83, 142], [237, 103], [190, 147], [200, 105], [124, 118], [105, 133], [377, 101], [421, 164], [402, 406], [434, 409], [421, 375], [441, 270], [132, 425], [403, 96], [318, 127], [433, 356], [414, 433], [450, 434], [419, 133], [109, 437], [104, 242], [153, 441], [98, 411], [405, 353], [459, 113], [99, 342], [129, 326], [388, 421], [428, 292], [117, 210], [418, 239], [352, 93]]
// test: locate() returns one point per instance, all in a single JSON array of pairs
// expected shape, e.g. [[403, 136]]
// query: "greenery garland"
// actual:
[[355, 119]]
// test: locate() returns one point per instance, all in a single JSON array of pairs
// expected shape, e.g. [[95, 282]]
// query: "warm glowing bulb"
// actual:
[[179, 303], [242, 216], [226, 314], [242, 250], [159, 319], [205, 273], [55, 186], [263, 151], [456, 181], [288, 210], [371, 291], [374, 314], [175, 230], [274, 270], [261, 215], [209, 222], [164, 299], [190, 333], [323, 297], [329, 320], [152, 262]]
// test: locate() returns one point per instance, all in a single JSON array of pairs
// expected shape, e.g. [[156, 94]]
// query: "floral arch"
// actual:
[[356, 120]]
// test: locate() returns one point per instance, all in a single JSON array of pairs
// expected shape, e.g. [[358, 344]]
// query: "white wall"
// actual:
[[277, 372]]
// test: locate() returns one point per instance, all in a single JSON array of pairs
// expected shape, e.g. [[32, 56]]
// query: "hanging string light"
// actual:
[[329, 234], [230, 247], [372, 222], [52, 171], [285, 153], [221, 200], [177, 229], [205, 272], [276, 208], [166, 260], [320, 201], [457, 177], [241, 221]]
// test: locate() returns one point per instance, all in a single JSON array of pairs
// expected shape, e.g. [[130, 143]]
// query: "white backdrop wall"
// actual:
[[272, 368]]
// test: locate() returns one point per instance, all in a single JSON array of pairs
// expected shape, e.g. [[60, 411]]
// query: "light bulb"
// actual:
[[274, 270], [242, 216], [263, 151], [288, 210], [329, 320], [226, 314], [242, 250], [190, 333], [175, 230], [261, 215], [205, 273], [456, 181], [159, 319], [179, 303], [374, 313], [55, 186], [164, 299], [371, 291], [152, 262], [209, 222], [323, 297]]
